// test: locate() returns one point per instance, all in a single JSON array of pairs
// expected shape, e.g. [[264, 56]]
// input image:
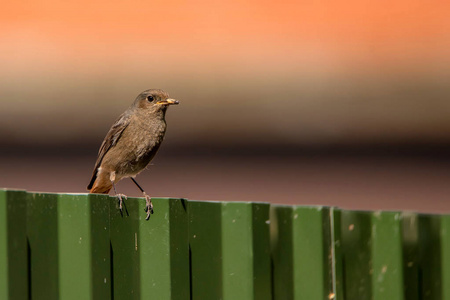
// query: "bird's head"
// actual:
[[154, 100]]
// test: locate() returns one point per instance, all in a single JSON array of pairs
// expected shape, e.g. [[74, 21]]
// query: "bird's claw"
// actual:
[[121, 202], [149, 206]]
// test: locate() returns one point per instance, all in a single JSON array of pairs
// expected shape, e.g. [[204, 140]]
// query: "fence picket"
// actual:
[[13, 245], [226, 260]]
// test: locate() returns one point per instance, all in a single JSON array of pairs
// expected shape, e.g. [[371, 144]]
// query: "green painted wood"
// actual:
[[430, 265], [356, 254], [282, 252], [336, 264], [205, 240], [237, 233], [4, 235], [63, 246], [410, 246], [164, 250], [100, 259], [387, 261], [311, 236], [262, 267], [230, 250], [18, 270], [125, 258], [143, 253], [42, 231], [179, 250], [13, 245], [83, 246], [304, 252], [245, 265], [445, 256]]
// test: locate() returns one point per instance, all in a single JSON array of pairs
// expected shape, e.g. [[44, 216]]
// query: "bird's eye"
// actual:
[[150, 98]]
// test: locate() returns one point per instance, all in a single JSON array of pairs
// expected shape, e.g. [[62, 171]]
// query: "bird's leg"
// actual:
[[119, 196], [121, 200], [148, 200]]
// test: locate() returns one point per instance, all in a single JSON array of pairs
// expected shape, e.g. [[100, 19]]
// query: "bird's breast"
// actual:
[[136, 147], [146, 142]]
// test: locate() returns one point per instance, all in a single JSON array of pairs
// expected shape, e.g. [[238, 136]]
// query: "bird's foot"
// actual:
[[120, 198], [148, 206]]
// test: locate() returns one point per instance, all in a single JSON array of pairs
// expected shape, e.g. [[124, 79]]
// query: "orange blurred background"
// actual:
[[300, 86]]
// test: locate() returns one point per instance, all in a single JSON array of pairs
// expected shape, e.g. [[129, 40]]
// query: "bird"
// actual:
[[131, 143]]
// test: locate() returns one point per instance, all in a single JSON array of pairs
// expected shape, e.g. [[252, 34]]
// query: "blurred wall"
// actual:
[[246, 73]]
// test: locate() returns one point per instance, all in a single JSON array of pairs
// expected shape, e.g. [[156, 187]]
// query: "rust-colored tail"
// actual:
[[99, 183], [99, 186]]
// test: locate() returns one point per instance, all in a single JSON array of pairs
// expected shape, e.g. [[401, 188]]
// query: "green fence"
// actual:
[[64, 246]]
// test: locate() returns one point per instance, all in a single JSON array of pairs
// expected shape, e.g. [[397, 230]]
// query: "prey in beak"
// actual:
[[168, 102]]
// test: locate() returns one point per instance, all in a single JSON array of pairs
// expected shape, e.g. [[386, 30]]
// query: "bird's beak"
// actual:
[[168, 102]]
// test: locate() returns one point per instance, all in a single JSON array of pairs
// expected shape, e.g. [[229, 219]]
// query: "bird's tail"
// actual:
[[100, 190], [93, 178], [99, 186]]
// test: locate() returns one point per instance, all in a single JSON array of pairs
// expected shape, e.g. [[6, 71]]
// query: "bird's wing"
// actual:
[[110, 141]]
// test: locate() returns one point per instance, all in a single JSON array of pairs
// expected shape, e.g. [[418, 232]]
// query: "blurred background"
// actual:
[[328, 103]]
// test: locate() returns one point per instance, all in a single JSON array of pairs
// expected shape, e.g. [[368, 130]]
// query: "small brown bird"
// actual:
[[131, 143]]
